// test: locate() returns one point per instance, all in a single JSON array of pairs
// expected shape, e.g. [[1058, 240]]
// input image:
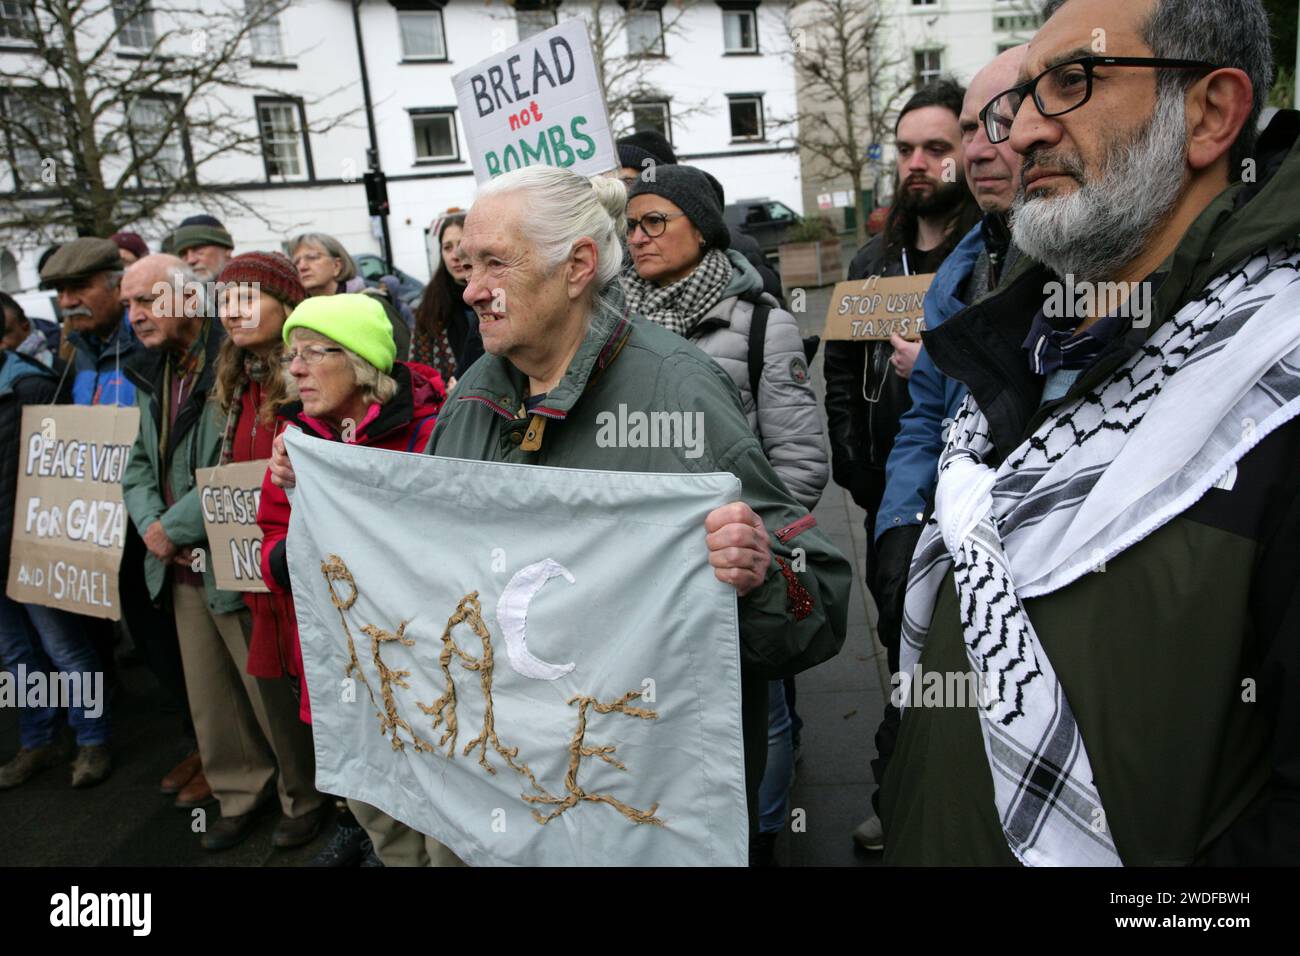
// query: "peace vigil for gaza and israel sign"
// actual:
[[69, 520], [496, 660], [539, 103]]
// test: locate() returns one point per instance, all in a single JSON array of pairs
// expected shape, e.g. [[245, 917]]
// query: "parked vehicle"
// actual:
[[765, 219]]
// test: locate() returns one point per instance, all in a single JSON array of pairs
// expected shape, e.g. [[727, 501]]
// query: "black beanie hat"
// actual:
[[689, 188], [645, 144]]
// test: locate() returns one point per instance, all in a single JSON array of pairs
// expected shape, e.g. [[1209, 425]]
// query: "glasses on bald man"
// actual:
[[1064, 88]]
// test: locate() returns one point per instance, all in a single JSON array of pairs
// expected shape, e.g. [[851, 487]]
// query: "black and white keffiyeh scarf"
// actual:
[[680, 306], [1097, 477]]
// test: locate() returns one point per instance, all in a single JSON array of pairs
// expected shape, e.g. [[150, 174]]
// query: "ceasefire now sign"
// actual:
[[537, 103]]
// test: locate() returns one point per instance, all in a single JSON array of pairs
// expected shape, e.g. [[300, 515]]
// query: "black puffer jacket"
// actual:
[[23, 381], [862, 432]]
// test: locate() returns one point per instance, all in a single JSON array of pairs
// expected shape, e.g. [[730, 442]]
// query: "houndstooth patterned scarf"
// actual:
[[680, 306], [1097, 477]]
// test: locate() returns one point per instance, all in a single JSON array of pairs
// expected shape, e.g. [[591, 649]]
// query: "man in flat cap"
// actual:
[[205, 245], [85, 275]]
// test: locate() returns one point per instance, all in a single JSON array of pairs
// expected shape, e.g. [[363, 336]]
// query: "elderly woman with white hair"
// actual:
[[545, 247]]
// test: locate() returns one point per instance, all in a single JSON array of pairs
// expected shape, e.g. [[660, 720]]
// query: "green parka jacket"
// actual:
[[195, 443]]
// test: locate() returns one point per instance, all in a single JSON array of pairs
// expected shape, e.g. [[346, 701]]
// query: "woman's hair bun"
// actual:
[[612, 196]]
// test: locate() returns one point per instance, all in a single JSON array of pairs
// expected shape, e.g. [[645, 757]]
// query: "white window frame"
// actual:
[[170, 153], [922, 70], [664, 106], [137, 32], [757, 100], [18, 21], [417, 115], [266, 39], [302, 156], [434, 16], [9, 278], [659, 47], [541, 17], [752, 14], [26, 162]]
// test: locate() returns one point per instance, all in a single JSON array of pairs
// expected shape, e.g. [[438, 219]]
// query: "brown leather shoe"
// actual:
[[181, 774], [228, 832], [27, 764], [295, 831], [196, 793]]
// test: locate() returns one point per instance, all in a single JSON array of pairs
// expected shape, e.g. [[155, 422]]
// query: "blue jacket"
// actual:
[[911, 471], [100, 366]]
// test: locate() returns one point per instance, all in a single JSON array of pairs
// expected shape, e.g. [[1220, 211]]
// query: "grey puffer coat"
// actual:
[[785, 418]]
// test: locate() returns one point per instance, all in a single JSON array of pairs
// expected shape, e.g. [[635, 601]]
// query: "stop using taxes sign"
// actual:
[[537, 103]]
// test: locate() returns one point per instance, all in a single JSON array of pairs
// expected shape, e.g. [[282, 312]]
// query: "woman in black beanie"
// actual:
[[685, 278], [446, 329]]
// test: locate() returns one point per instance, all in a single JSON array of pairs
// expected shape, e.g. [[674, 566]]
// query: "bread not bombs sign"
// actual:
[[229, 497], [69, 520], [537, 103], [865, 310]]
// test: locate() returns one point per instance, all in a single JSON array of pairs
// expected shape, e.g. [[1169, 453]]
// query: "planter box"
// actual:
[[811, 263]]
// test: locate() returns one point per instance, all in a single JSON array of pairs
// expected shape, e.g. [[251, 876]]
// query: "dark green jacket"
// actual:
[[1159, 654], [633, 363], [195, 443]]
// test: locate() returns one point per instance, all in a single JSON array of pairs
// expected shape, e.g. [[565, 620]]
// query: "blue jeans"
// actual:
[[774, 791], [47, 641]]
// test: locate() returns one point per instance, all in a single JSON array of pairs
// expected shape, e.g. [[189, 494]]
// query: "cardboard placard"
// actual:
[[537, 103], [229, 496], [69, 519], [873, 309]]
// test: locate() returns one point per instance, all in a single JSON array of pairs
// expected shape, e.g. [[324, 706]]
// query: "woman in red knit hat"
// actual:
[[257, 292]]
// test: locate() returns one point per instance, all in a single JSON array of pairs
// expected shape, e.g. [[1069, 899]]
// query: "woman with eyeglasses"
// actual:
[[338, 360], [327, 268], [258, 292], [685, 278]]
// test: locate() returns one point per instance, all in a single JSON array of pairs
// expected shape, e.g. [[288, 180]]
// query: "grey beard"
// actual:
[[1102, 226]]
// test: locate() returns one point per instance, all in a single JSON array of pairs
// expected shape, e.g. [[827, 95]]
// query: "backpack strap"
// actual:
[[757, 345], [415, 432]]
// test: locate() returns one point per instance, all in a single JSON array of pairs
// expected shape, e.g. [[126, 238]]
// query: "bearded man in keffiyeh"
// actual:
[[1112, 555]]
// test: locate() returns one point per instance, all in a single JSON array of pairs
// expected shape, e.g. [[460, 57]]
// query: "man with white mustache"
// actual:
[[1113, 546]]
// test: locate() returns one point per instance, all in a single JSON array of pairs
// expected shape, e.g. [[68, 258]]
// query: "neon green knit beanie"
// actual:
[[355, 321]]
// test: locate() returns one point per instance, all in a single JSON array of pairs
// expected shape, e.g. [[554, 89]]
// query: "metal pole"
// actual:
[[373, 152], [1295, 103]]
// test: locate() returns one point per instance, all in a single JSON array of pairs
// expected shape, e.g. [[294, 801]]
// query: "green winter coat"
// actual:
[[195, 443], [641, 367]]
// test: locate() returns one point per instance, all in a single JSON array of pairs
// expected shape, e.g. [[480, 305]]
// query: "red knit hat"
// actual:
[[131, 242], [272, 272]]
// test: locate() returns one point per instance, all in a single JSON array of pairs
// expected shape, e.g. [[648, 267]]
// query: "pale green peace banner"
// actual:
[[536, 666]]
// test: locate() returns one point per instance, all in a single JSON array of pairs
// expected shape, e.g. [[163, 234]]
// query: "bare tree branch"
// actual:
[[626, 78], [123, 105], [852, 81]]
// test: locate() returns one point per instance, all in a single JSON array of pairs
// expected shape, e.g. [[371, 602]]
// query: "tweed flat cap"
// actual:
[[80, 259]]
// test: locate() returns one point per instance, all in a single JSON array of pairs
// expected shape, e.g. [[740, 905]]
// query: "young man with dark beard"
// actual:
[[1115, 543], [866, 382]]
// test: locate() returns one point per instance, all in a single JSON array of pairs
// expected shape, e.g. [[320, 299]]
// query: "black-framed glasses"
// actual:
[[311, 355], [1064, 88], [652, 224]]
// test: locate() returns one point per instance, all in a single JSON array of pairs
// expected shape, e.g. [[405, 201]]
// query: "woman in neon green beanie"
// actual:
[[339, 355]]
